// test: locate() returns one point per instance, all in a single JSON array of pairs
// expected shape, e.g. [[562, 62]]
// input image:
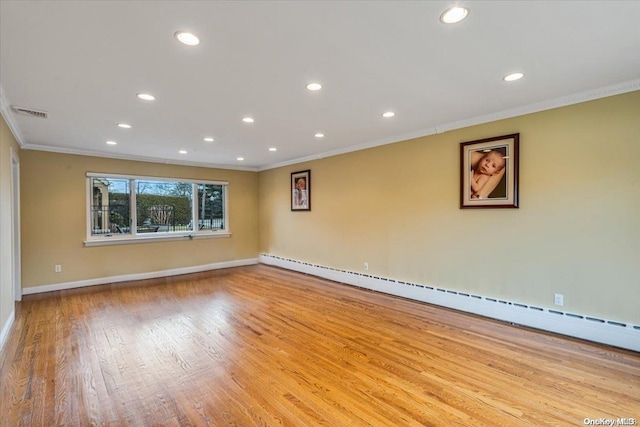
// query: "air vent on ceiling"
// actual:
[[29, 112]]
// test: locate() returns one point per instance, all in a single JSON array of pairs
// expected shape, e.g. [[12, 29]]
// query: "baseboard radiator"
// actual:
[[604, 331]]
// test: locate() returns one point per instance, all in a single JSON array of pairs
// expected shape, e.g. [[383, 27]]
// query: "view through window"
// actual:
[[136, 207]]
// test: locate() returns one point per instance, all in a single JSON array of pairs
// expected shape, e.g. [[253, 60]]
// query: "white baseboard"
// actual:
[[138, 276], [581, 326], [6, 328]]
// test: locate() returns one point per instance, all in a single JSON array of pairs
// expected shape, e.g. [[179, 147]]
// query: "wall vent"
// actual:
[[29, 112]]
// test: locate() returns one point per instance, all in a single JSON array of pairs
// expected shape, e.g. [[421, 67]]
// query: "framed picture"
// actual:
[[489, 172], [301, 191]]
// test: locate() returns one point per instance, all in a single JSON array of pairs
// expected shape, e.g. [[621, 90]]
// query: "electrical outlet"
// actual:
[[58, 268], [558, 299], [366, 266]]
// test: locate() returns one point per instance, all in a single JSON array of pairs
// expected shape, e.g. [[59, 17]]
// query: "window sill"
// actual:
[[118, 240]]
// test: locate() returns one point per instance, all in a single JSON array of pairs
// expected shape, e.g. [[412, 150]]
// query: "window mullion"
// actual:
[[133, 210], [225, 207], [195, 216]]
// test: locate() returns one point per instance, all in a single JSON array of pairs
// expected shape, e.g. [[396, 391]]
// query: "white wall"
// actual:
[[7, 144]]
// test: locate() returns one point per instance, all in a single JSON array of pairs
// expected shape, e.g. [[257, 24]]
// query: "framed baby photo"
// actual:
[[489, 172], [301, 191]]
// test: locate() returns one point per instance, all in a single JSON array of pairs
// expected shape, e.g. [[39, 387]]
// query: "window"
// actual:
[[163, 206], [124, 209]]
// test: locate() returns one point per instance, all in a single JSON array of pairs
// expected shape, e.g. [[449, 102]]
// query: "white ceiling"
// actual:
[[83, 62]]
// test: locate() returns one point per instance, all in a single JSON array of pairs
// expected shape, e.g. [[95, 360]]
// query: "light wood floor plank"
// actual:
[[268, 347]]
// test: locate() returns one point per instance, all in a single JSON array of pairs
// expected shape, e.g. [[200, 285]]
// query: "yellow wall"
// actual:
[[7, 143], [577, 231], [54, 221]]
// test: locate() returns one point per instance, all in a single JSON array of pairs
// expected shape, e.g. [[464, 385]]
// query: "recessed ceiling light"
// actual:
[[453, 15], [273, 149], [248, 120], [208, 139], [146, 96], [388, 114], [187, 38], [240, 159], [112, 143], [513, 77], [314, 86], [319, 135], [124, 126], [182, 151]]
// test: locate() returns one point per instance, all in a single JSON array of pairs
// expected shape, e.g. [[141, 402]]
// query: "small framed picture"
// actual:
[[301, 191], [489, 172]]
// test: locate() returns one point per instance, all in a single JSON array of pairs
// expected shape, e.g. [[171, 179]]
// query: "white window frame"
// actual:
[[134, 236]]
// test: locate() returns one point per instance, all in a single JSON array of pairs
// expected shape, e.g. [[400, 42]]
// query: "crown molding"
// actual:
[[603, 92], [5, 110], [352, 148], [576, 98], [564, 101], [63, 150]]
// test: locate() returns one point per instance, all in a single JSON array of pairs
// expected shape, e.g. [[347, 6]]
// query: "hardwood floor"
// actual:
[[263, 346]]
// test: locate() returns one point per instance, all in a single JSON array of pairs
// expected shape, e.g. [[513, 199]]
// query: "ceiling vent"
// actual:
[[30, 112]]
